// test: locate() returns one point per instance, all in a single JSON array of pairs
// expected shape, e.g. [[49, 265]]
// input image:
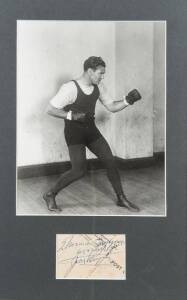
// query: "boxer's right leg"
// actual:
[[77, 155]]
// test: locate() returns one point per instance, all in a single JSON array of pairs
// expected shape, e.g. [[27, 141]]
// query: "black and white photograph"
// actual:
[[91, 118], [93, 150]]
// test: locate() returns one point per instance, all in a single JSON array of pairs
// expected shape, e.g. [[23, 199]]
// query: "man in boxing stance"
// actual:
[[75, 103]]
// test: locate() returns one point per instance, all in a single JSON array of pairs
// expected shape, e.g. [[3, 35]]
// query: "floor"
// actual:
[[93, 195]]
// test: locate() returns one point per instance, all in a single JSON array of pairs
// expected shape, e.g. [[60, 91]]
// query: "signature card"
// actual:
[[90, 256]]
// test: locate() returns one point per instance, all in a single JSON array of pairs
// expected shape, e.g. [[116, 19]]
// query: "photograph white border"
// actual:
[[165, 132]]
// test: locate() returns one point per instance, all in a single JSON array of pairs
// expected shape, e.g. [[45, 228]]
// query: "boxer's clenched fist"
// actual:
[[133, 96], [76, 116], [79, 116]]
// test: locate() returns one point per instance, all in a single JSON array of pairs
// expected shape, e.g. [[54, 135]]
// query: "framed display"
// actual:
[[93, 150]]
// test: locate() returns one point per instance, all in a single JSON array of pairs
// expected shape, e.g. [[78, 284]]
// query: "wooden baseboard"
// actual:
[[142, 162], [92, 164]]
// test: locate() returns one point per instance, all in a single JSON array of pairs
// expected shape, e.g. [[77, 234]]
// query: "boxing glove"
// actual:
[[76, 116], [79, 116], [133, 96]]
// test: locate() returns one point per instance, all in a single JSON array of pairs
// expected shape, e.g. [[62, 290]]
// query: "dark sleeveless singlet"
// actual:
[[86, 132], [84, 103]]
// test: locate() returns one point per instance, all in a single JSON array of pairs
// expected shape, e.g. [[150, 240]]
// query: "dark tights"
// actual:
[[77, 155]]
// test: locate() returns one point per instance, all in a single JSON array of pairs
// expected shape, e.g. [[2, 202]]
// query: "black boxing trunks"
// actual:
[[81, 133]]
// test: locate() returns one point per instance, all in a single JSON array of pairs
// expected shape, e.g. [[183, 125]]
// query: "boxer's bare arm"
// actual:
[[109, 103], [56, 112]]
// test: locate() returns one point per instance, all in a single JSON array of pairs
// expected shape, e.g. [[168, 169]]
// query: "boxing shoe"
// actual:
[[50, 202], [122, 201]]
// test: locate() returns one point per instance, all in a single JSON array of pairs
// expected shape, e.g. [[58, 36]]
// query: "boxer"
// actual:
[[75, 103]]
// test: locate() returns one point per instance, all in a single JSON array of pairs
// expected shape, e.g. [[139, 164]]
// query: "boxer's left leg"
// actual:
[[102, 150]]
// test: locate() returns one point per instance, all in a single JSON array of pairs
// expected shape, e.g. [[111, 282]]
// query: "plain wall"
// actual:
[[134, 69], [50, 53]]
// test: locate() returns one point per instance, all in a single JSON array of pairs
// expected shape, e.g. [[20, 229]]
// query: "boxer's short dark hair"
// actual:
[[93, 62]]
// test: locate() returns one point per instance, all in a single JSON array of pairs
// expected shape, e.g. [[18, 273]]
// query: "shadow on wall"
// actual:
[[61, 80], [51, 138]]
